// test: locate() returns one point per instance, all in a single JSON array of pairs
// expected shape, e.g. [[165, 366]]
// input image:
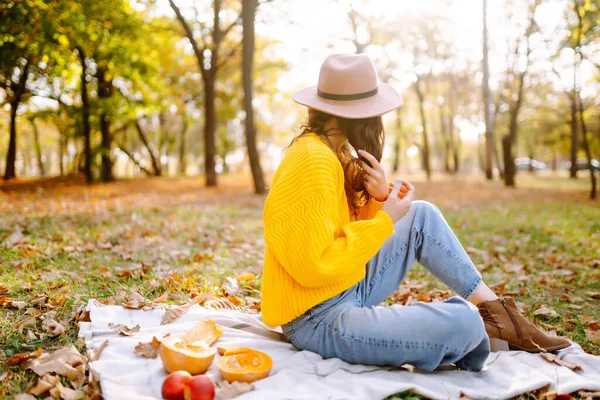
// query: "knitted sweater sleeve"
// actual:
[[303, 230]]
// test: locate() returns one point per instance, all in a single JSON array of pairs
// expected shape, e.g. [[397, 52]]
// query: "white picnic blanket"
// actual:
[[306, 375]]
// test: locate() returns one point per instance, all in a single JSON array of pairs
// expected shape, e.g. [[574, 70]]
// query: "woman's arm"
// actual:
[[301, 224]]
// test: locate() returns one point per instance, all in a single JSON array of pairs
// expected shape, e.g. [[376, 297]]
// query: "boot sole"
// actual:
[[502, 345]]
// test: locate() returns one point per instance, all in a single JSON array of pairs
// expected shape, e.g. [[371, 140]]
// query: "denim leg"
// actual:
[[422, 235], [425, 335]]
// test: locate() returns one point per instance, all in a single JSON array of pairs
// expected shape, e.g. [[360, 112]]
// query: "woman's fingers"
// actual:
[[396, 188], [370, 158], [366, 168]]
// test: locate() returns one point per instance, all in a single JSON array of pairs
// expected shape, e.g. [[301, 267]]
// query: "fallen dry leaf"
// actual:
[[27, 321], [105, 273], [226, 390], [220, 304], [124, 329], [134, 301], [24, 396], [63, 361], [588, 395], [174, 313], [44, 384], [15, 238], [66, 393], [53, 328], [94, 354], [593, 334], [6, 375], [149, 349], [18, 359], [546, 312], [162, 298], [594, 295], [10, 303], [231, 286], [553, 358], [408, 367]]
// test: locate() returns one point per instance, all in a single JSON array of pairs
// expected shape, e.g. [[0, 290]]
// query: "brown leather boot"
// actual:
[[509, 330]]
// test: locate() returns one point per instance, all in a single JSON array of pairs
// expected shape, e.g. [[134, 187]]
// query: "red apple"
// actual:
[[172, 387], [199, 388]]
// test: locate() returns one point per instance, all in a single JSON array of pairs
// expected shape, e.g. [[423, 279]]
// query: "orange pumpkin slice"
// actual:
[[243, 364], [191, 352]]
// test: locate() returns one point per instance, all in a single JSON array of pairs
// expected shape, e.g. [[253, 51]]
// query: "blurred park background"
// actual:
[[116, 89], [134, 136]]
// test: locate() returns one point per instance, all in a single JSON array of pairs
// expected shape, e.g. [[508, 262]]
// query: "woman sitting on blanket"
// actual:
[[339, 241]]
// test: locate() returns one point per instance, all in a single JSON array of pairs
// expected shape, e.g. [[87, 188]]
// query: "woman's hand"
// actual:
[[397, 207], [375, 179]]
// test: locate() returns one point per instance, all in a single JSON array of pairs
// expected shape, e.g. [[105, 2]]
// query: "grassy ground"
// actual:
[[62, 245]]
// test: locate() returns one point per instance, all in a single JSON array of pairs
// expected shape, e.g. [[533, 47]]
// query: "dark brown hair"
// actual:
[[362, 134]]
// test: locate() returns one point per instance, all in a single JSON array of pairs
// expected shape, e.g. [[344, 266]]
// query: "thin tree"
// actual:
[[510, 138], [248, 17], [487, 102], [105, 92], [85, 118], [210, 61], [17, 90], [37, 145], [425, 140]]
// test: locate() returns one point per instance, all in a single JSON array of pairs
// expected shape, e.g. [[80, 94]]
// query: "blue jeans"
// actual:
[[351, 327]]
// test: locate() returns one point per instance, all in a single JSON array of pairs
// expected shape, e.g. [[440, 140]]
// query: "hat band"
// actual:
[[347, 97]]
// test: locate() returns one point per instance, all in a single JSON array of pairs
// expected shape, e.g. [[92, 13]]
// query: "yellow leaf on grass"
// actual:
[[247, 276]]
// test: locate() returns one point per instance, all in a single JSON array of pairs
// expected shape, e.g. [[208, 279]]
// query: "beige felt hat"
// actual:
[[348, 87]]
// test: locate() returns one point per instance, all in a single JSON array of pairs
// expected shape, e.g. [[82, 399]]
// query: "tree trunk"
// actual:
[[105, 91], [85, 116], [38, 147], [209, 77], [11, 155], [445, 139], [586, 147], [489, 135], [61, 151], [574, 135], [497, 159], [182, 134], [425, 144], [209, 131], [509, 140], [248, 15], [396, 162], [509, 162]]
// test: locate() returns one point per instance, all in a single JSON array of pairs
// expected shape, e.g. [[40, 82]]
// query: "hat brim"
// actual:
[[384, 101]]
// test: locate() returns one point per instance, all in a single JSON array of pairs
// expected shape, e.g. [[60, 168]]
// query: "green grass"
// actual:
[[79, 243]]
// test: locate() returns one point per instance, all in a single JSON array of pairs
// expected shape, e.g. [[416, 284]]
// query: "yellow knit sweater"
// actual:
[[314, 249]]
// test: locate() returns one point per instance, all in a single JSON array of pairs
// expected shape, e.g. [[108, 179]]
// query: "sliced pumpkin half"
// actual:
[[243, 364], [191, 352]]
